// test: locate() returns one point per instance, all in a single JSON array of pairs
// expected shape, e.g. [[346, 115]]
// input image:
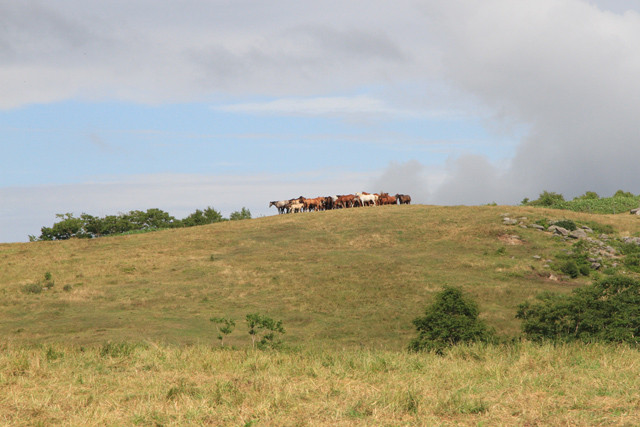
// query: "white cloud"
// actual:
[[339, 106], [409, 177]]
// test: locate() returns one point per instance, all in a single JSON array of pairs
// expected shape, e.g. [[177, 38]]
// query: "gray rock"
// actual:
[[558, 230], [578, 234], [595, 266], [509, 221], [587, 229], [537, 226], [633, 240]]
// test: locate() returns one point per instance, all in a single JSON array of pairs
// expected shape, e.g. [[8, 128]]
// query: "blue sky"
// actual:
[[141, 104]]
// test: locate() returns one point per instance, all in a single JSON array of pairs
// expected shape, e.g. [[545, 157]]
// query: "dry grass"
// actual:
[[524, 384]]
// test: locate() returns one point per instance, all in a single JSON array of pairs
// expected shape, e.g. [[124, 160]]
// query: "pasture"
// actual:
[[342, 278], [122, 335]]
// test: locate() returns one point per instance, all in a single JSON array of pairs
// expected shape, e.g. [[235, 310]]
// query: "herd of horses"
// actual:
[[302, 204]]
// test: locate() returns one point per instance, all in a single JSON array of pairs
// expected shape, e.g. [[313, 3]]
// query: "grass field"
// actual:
[[123, 336], [196, 385]]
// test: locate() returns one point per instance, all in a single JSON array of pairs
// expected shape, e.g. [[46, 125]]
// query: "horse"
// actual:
[[280, 205], [296, 207], [367, 199], [403, 199], [312, 204]]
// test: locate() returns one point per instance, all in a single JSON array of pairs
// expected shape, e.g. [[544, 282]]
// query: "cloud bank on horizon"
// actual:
[[139, 104]]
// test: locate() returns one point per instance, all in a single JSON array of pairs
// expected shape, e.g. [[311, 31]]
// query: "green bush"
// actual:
[[547, 199], [224, 326], [607, 310], [585, 270], [570, 268], [566, 223], [242, 214], [621, 193], [589, 195], [32, 288], [264, 330], [450, 320]]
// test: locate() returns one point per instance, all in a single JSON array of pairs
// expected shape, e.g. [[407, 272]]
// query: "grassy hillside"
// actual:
[[99, 347], [349, 278]]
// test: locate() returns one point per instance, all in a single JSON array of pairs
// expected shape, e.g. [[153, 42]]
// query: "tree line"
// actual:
[[88, 226]]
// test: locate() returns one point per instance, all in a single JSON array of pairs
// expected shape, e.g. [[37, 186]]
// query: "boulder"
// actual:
[[578, 234], [509, 221], [561, 231], [632, 240]]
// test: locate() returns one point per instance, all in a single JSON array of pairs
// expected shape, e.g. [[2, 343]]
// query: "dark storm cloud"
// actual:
[[566, 69]]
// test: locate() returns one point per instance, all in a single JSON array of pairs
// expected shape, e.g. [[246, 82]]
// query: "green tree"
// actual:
[[66, 228], [621, 193], [607, 310], [199, 217], [264, 330], [243, 214], [451, 319], [547, 198], [224, 327], [589, 195]]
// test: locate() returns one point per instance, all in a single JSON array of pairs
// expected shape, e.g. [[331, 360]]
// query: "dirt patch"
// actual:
[[511, 239]]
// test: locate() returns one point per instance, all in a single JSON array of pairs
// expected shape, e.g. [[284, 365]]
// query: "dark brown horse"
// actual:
[[403, 199]]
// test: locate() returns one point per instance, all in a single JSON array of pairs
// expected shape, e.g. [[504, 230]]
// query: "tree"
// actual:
[[547, 198], [243, 214], [451, 319], [589, 195], [208, 216], [607, 310], [224, 326], [66, 228], [265, 330], [621, 193]]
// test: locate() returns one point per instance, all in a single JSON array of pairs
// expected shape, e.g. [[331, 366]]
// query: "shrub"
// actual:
[[48, 280], [451, 319], [266, 329], [242, 214], [607, 310], [32, 288], [589, 195], [621, 193], [548, 199], [224, 327], [570, 268], [566, 223]]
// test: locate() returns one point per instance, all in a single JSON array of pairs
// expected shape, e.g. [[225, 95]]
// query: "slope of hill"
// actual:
[[347, 278]]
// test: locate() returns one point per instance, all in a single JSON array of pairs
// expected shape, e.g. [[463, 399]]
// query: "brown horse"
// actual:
[[403, 199]]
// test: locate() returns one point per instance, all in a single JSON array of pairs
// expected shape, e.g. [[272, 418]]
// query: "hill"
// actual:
[[347, 278], [90, 327]]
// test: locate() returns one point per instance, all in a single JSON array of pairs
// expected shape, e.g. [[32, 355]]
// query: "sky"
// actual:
[[108, 107]]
